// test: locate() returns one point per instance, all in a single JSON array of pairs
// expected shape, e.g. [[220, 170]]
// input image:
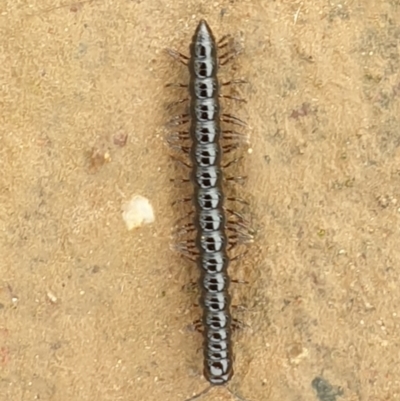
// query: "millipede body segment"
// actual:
[[208, 198]]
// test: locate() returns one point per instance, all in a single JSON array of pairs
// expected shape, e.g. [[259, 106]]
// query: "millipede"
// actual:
[[216, 228]]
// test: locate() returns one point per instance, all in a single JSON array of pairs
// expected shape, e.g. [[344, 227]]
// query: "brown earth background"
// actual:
[[92, 311]]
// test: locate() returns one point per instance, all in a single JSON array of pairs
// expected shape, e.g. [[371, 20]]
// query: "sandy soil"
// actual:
[[92, 311]]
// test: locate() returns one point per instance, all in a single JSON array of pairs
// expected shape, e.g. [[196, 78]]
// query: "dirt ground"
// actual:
[[92, 311]]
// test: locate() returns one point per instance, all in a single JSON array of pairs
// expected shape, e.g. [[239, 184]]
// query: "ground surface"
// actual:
[[90, 311]]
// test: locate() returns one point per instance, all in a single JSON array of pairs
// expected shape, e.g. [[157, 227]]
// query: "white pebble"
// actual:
[[52, 297], [137, 212]]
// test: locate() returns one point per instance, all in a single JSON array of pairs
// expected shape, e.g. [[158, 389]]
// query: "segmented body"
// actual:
[[208, 198]]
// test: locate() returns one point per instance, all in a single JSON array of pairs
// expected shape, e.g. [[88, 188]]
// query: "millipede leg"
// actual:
[[175, 85], [179, 180], [234, 82], [227, 57], [191, 255], [179, 120], [237, 215], [229, 147], [223, 39], [238, 99], [233, 241], [184, 200], [235, 199], [223, 45], [184, 217], [178, 56], [239, 179], [231, 134], [189, 244], [174, 140], [238, 282], [240, 255], [190, 287], [184, 149], [235, 218], [198, 325], [186, 229], [245, 237], [243, 232], [237, 324], [237, 227], [180, 101], [232, 162], [233, 238], [192, 258], [181, 162], [233, 225], [229, 118]]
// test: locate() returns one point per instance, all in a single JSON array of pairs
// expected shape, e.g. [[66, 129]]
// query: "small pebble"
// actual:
[[52, 298], [137, 212]]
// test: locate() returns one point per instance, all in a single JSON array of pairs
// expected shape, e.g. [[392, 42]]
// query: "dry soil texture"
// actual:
[[92, 311]]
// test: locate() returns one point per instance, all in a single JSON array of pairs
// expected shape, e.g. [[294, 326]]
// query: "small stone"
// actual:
[[137, 212], [52, 297]]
